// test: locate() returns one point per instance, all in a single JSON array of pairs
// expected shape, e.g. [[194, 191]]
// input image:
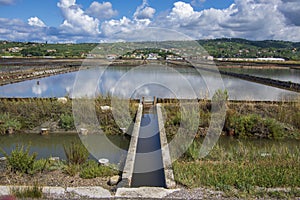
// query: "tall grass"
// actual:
[[243, 167]]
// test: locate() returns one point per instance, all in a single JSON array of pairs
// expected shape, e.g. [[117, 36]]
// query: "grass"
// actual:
[[76, 153], [242, 169], [26, 114], [92, 170], [243, 119]]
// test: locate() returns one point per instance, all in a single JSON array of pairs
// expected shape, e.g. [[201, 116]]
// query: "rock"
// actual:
[[105, 108], [62, 100], [124, 130], [83, 131], [54, 159], [3, 159], [10, 131], [114, 180]]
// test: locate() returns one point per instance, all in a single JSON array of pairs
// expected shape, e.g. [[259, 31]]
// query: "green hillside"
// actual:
[[219, 48]]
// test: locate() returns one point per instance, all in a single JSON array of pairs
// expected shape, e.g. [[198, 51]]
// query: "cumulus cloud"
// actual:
[[144, 11], [250, 19], [123, 29], [35, 21], [291, 10], [101, 10], [7, 2], [120, 29], [76, 20]]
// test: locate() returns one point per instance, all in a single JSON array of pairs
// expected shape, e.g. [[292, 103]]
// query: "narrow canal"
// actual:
[[148, 168]]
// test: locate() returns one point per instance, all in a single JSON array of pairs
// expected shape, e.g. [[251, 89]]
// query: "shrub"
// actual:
[[255, 126], [76, 153], [6, 121], [20, 160], [66, 122], [39, 165]]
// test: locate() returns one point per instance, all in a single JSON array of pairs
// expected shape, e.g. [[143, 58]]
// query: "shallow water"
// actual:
[[292, 75], [135, 82], [53, 145]]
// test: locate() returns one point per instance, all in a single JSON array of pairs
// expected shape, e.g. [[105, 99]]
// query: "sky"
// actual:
[[108, 21]]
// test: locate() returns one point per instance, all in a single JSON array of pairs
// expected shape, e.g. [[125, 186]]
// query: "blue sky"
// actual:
[[92, 20]]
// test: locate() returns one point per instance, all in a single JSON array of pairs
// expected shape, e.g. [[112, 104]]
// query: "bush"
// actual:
[[6, 121], [93, 170], [66, 122], [20, 160], [76, 153], [255, 126]]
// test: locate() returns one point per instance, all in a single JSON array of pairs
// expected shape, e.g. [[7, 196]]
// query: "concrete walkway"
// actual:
[[96, 192]]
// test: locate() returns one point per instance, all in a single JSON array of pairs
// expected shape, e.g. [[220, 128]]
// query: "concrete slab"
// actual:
[[4, 190], [54, 192], [144, 192], [88, 192]]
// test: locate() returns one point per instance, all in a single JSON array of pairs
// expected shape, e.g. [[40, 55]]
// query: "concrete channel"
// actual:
[[148, 161]]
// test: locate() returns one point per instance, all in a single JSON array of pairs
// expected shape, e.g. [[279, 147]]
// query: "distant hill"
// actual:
[[241, 48], [219, 48]]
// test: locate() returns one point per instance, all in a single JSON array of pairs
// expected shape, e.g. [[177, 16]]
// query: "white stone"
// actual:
[[3, 159], [89, 192], [124, 130], [62, 100], [144, 192], [105, 108], [83, 131], [114, 180], [54, 158]]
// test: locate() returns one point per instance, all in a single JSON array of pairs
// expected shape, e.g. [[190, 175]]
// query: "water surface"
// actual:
[[163, 82]]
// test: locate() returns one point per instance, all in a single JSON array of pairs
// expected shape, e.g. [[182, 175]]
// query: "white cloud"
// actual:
[[101, 10], [121, 28], [291, 10], [7, 2], [35, 21], [250, 19], [144, 11], [76, 20]]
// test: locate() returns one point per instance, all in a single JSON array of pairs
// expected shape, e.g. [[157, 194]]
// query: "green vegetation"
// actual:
[[92, 169], [34, 192], [28, 114], [66, 122], [219, 48], [243, 120], [254, 125], [240, 48], [241, 169], [43, 49], [7, 122], [76, 153], [20, 159]]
